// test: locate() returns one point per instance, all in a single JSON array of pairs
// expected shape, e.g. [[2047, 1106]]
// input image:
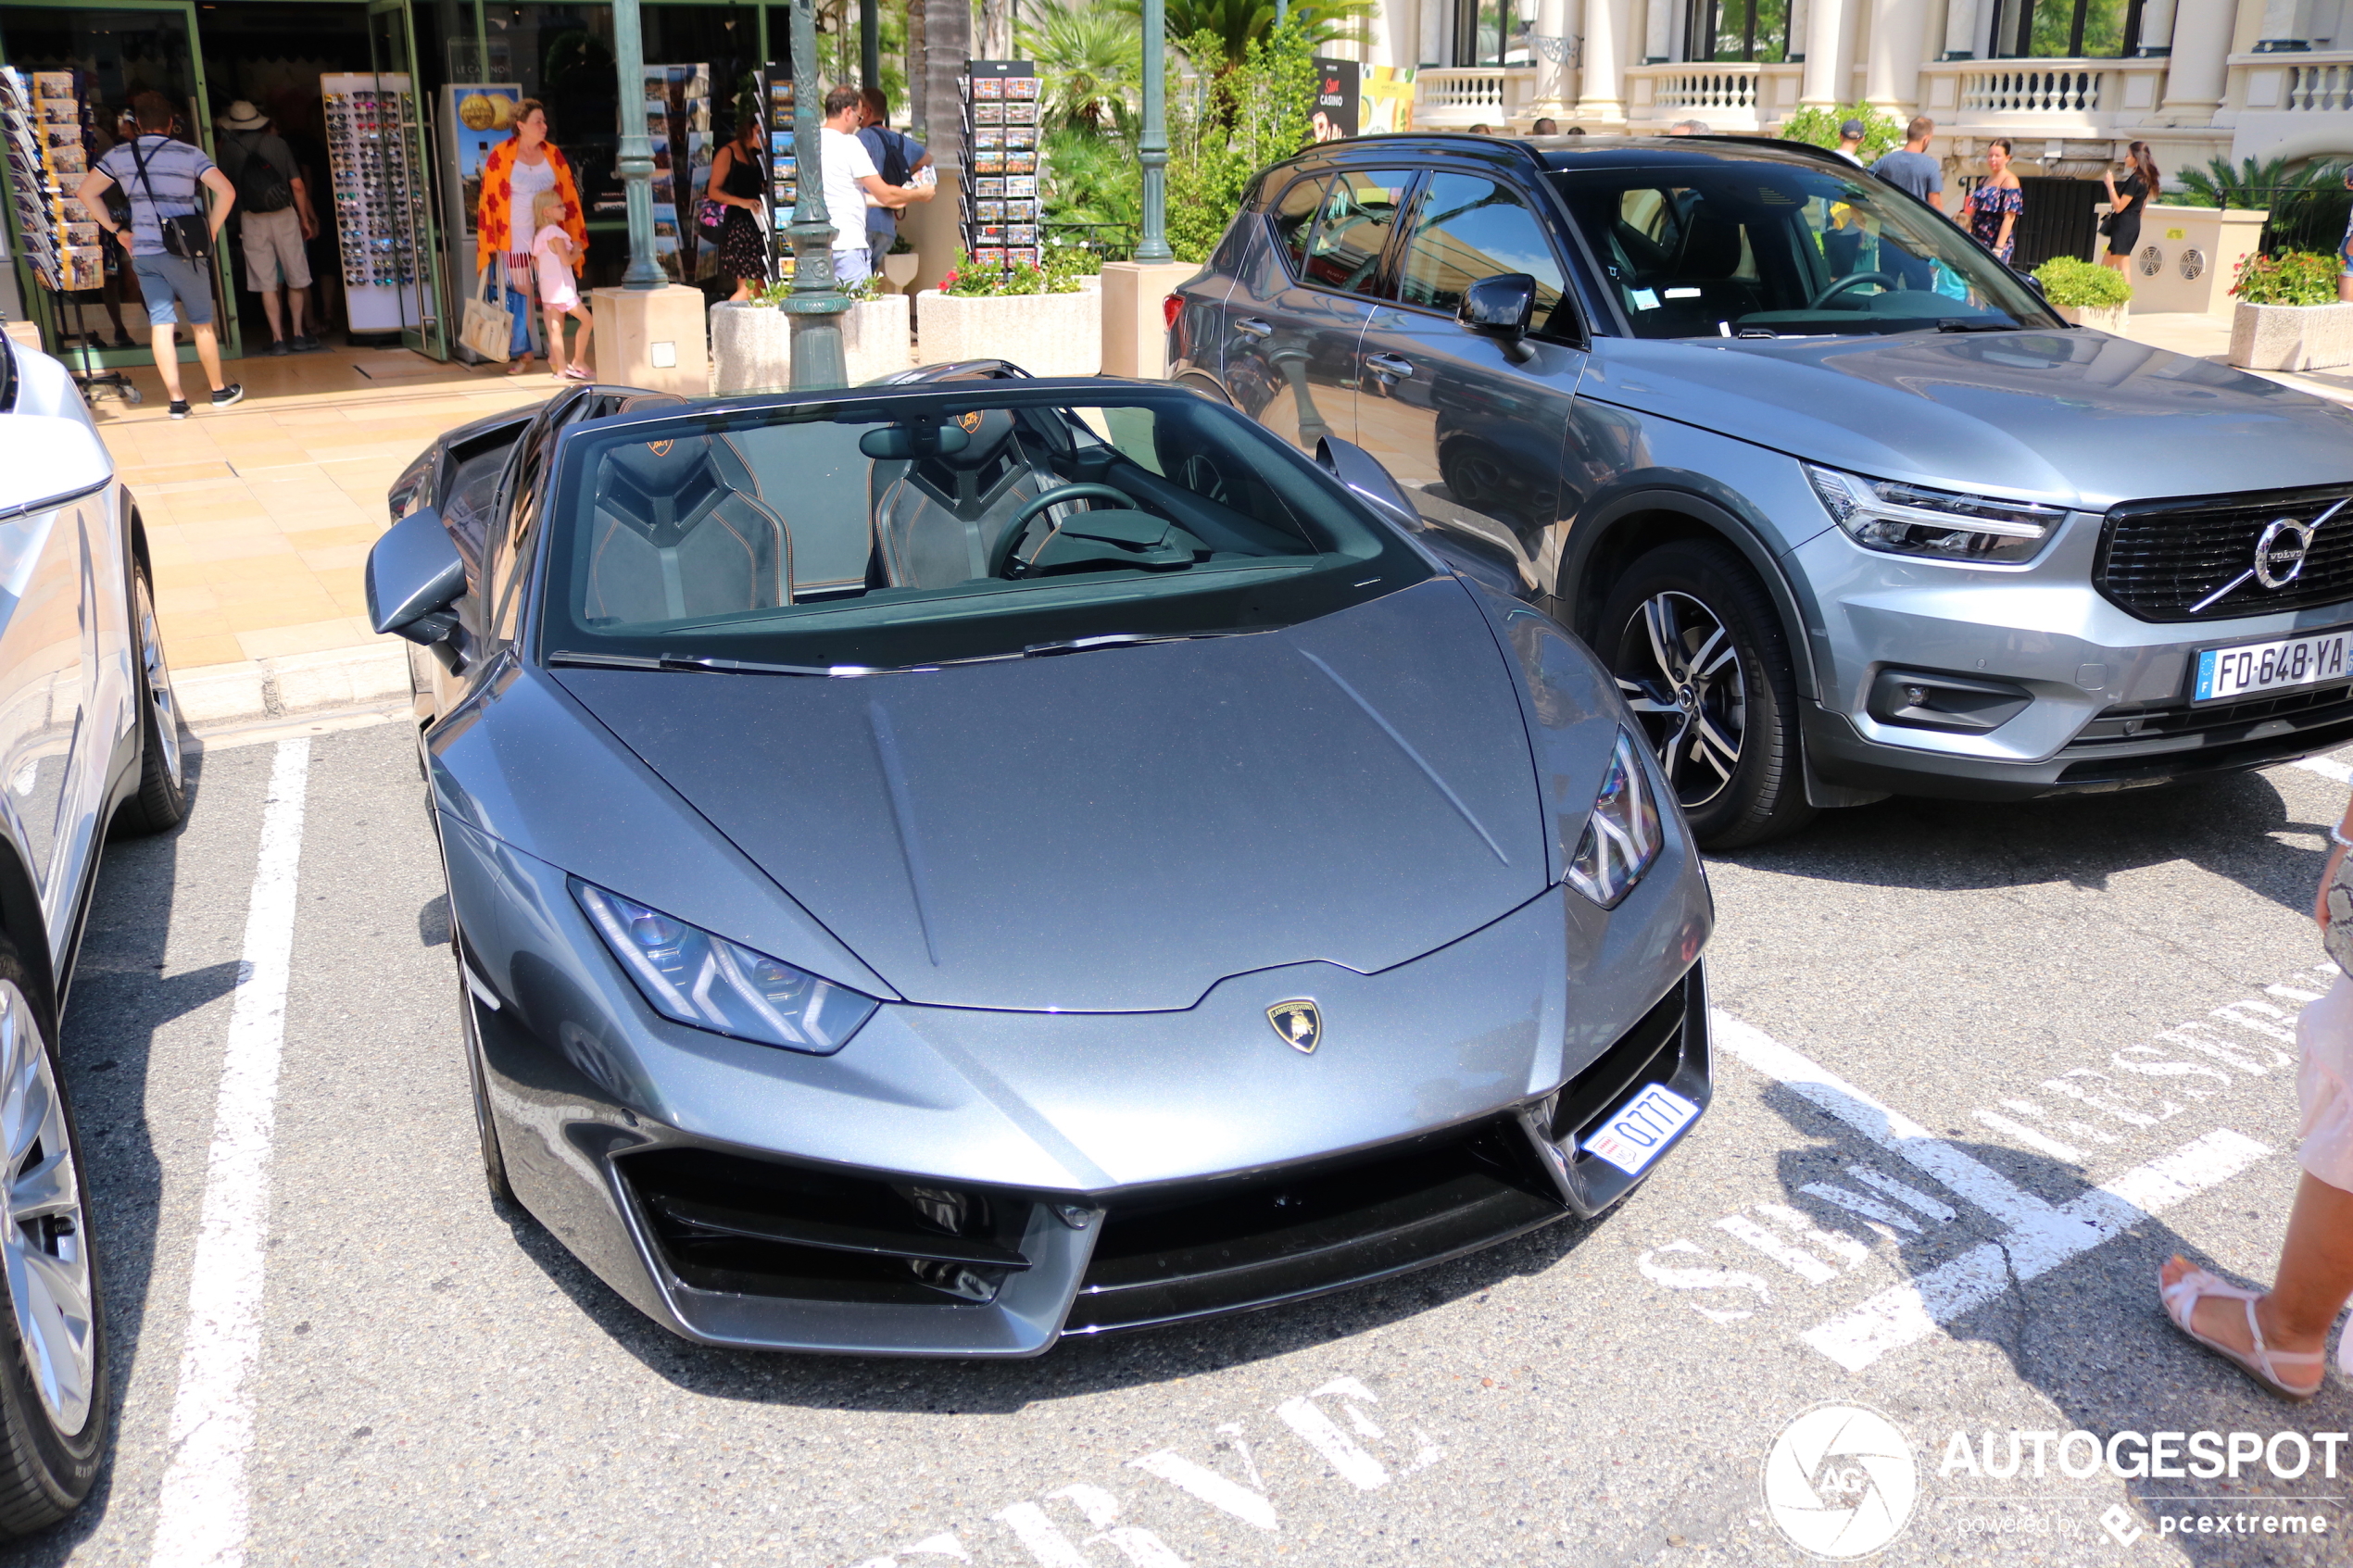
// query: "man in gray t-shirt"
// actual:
[[164, 178], [1910, 168]]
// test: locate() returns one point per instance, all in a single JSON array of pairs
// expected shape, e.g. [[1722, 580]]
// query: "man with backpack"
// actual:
[[169, 238], [275, 217], [897, 156]]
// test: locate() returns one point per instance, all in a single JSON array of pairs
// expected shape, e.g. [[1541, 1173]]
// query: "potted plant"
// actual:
[[751, 342], [2085, 293], [2288, 317], [1046, 322]]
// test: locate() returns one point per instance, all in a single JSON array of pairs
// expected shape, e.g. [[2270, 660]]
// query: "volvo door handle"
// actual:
[[1387, 365], [1255, 329]]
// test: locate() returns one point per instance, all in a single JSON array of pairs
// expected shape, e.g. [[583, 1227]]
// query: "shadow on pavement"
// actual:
[[2092, 1338], [2225, 826]]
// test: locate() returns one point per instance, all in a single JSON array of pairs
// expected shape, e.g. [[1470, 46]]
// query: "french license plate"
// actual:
[[1634, 1138], [2263, 667]]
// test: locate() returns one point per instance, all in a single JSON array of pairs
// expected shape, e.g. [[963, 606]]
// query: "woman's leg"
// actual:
[[743, 292], [2314, 1281], [519, 346]]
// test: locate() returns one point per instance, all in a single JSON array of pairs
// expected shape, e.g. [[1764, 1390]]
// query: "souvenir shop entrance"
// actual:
[[335, 81]]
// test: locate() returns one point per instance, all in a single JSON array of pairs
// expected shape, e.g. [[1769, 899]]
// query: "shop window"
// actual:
[[1738, 30], [1495, 32], [2046, 29]]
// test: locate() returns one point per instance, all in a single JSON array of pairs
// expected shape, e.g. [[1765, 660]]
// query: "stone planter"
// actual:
[[751, 345], [1046, 334], [2103, 318], [2292, 337]]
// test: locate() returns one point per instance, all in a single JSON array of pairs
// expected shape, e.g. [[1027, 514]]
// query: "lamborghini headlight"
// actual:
[[1621, 834], [688, 974], [1912, 519]]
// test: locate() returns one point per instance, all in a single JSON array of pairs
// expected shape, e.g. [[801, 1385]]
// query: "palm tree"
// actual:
[[1090, 58], [1235, 22]]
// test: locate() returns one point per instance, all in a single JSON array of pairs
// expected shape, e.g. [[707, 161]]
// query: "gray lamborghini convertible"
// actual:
[[936, 868]]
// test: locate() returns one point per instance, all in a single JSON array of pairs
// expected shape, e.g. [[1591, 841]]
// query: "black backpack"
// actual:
[[892, 165], [260, 188]]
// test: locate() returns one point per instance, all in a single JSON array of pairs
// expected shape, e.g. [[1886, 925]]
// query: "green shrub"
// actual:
[[2300, 277], [969, 281], [1819, 127], [2082, 286]]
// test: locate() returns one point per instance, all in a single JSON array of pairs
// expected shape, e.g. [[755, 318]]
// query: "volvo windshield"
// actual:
[[1776, 249], [988, 522]]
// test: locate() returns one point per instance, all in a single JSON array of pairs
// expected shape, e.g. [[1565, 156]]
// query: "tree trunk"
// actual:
[[948, 33]]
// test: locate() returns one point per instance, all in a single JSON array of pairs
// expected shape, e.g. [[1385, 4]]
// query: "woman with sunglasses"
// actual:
[[512, 176]]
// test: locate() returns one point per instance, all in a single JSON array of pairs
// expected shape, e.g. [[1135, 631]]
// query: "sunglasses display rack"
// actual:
[[783, 163], [374, 151], [1003, 165]]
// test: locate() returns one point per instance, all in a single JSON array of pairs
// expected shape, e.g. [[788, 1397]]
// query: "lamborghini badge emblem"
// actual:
[[658, 448], [1298, 1022], [970, 422]]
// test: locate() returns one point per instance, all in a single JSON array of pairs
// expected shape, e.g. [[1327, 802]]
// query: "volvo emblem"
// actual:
[[1299, 1023], [2280, 552]]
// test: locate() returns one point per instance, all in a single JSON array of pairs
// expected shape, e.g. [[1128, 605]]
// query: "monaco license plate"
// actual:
[[1634, 1138], [2262, 667]]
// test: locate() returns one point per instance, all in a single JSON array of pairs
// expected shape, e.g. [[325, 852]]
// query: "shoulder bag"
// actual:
[[490, 326], [185, 235]]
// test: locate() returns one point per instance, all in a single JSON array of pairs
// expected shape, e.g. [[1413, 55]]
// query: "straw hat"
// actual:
[[242, 116]]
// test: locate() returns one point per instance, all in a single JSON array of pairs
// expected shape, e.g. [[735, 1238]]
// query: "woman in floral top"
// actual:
[[512, 176], [1991, 213]]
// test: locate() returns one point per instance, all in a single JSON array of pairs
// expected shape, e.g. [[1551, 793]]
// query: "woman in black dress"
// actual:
[[736, 176], [2124, 204]]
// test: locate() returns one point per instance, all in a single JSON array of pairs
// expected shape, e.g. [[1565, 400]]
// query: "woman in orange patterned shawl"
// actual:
[[516, 172]]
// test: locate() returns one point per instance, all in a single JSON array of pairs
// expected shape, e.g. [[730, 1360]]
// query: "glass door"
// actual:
[[392, 49], [83, 66]]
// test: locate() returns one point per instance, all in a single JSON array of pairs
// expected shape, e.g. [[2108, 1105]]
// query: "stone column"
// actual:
[[2156, 28], [2201, 59], [1602, 88], [1961, 28], [1827, 68], [1799, 15], [1899, 34], [1552, 76], [1658, 32], [1432, 31], [2288, 28]]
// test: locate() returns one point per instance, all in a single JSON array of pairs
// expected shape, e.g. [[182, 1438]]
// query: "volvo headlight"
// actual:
[[688, 974], [1910, 519], [1621, 833]]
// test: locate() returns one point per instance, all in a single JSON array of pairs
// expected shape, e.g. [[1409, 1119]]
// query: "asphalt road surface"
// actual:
[[1980, 1070]]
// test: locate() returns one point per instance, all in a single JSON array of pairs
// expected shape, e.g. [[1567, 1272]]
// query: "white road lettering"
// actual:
[[1871, 1211], [2008, 1128], [203, 1511], [1227, 1497], [1339, 1450]]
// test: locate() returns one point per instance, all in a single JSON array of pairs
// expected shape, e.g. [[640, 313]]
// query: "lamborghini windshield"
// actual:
[[1776, 249], [940, 525]]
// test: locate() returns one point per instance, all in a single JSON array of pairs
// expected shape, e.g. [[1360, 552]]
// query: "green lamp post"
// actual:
[[1151, 147], [815, 305], [636, 160]]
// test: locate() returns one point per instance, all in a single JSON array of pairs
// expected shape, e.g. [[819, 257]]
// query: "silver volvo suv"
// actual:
[[1846, 505]]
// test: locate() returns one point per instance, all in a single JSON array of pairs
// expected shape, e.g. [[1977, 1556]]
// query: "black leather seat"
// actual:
[[681, 531], [938, 518]]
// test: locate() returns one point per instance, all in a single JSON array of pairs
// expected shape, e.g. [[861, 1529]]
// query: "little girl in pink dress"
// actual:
[[559, 294]]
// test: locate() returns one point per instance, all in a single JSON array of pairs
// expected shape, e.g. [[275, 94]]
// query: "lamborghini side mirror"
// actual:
[[415, 578], [1367, 481]]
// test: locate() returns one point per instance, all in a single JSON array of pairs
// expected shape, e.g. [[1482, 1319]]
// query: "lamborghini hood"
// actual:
[[1118, 829]]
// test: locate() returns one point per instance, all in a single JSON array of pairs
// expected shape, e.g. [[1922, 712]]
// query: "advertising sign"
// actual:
[[1337, 99]]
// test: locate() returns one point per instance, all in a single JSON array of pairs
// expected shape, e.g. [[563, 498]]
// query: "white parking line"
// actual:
[[2040, 1237], [202, 1514]]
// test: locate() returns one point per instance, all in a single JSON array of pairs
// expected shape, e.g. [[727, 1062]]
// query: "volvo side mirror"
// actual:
[[415, 579], [1367, 481], [1503, 307], [49, 458]]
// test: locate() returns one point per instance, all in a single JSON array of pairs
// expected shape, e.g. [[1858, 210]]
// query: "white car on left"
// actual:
[[89, 743]]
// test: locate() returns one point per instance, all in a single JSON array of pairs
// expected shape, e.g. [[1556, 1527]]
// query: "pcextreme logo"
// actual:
[[1839, 1481]]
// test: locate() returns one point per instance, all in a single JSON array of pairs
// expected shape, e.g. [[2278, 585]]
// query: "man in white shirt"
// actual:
[[851, 183]]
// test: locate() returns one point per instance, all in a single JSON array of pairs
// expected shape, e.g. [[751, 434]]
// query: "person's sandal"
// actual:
[[2181, 1299], [518, 366]]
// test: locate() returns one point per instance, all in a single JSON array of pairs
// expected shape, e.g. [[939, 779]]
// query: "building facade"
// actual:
[[2070, 81]]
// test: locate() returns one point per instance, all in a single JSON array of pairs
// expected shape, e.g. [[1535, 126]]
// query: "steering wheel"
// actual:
[[1852, 280], [1001, 559]]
